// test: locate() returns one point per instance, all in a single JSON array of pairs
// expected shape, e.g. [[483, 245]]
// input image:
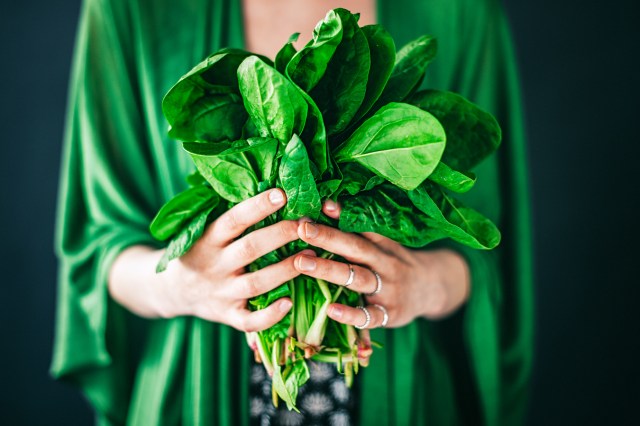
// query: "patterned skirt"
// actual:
[[324, 400]]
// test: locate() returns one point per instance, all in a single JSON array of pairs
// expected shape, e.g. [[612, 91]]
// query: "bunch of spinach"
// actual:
[[340, 119]]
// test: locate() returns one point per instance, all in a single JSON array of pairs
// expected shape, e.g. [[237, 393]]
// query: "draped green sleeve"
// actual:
[[119, 167], [106, 197]]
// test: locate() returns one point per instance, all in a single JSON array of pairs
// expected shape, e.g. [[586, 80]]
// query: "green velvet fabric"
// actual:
[[119, 167]]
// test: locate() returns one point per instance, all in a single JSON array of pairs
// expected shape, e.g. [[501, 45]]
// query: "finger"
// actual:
[[364, 281], [235, 221], [248, 321], [355, 316], [253, 284], [242, 252], [331, 209], [352, 247], [386, 244]]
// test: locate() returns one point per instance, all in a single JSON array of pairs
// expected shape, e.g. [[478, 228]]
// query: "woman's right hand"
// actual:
[[210, 281]]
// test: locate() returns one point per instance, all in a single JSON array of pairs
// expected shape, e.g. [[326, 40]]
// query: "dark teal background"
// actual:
[[581, 87]]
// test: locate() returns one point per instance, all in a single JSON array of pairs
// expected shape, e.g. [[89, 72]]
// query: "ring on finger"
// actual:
[[352, 276], [378, 285], [385, 314], [367, 321]]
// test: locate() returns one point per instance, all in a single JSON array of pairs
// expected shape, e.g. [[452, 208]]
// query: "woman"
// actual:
[[189, 364]]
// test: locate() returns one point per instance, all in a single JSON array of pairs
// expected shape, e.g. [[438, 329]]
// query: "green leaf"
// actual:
[[308, 66], [287, 384], [342, 88], [212, 118], [453, 180], [266, 299], [235, 172], [206, 92], [184, 240], [357, 178], [274, 104], [400, 143], [296, 377], [195, 179], [454, 219], [315, 136], [181, 209], [286, 53], [328, 187], [472, 134], [382, 51], [388, 211], [411, 64], [298, 183]]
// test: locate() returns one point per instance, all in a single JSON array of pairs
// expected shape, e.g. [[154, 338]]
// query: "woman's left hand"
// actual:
[[430, 284]]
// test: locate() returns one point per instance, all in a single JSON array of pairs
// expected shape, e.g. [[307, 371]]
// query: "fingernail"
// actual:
[[336, 312], [285, 305], [304, 219], [306, 264], [310, 230], [330, 206], [276, 197]]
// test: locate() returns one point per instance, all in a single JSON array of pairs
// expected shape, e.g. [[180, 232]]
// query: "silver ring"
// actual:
[[385, 318], [352, 276], [367, 321], [378, 285]]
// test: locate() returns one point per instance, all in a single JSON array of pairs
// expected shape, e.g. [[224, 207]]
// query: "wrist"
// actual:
[[134, 283], [446, 281], [164, 297]]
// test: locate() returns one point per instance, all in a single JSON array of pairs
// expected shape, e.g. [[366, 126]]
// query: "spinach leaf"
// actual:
[[286, 53], [342, 88], [453, 218], [266, 299], [327, 188], [357, 178], [181, 209], [382, 51], [453, 180], [411, 63], [184, 240], [472, 134], [308, 66], [315, 137], [287, 383], [195, 179], [235, 172], [212, 119], [274, 104], [400, 143], [298, 183], [388, 211], [209, 88]]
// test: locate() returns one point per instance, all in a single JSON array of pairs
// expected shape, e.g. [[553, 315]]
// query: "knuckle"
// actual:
[[262, 204], [288, 229], [325, 234], [251, 286], [392, 264], [230, 220], [245, 324], [247, 248], [360, 245]]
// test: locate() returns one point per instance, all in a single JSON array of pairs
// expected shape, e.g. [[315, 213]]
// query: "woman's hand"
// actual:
[[210, 281], [429, 284]]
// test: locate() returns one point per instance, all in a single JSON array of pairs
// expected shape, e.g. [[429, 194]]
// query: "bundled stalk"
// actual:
[[341, 119]]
